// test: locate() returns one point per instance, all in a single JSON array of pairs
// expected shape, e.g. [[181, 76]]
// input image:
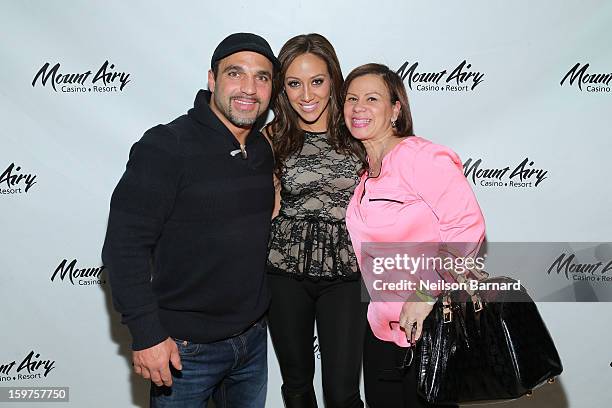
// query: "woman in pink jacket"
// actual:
[[411, 191]]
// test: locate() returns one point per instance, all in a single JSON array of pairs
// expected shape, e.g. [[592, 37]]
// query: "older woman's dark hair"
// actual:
[[397, 91], [284, 130]]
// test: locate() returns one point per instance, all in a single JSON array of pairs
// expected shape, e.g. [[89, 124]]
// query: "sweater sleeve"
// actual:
[[438, 178], [139, 206]]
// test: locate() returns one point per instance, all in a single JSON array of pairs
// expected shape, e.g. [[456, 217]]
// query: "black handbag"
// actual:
[[484, 346]]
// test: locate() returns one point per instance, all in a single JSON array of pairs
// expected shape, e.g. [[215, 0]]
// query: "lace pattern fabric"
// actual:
[[308, 238]]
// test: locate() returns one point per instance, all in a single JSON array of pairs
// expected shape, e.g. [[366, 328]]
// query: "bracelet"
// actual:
[[425, 297]]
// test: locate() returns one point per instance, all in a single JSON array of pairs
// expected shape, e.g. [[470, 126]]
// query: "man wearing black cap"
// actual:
[[187, 234]]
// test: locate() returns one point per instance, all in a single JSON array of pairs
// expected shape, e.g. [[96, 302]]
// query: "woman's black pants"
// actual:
[[385, 386], [340, 315]]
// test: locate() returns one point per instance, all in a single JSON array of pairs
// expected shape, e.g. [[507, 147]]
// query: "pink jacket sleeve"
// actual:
[[437, 176]]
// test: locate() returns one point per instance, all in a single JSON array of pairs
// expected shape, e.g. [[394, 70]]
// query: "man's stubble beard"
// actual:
[[226, 110]]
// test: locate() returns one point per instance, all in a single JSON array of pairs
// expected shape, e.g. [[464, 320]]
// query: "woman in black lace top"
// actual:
[[312, 268]]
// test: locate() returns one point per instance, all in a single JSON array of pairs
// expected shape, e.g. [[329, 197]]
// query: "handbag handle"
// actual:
[[479, 274], [459, 277]]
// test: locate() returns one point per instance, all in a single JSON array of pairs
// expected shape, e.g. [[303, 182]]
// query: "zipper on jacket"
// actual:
[[386, 199]]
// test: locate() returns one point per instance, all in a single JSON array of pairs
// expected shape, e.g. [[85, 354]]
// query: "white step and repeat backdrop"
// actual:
[[518, 84]]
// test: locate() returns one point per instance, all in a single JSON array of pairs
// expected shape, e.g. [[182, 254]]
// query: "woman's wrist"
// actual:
[[425, 297]]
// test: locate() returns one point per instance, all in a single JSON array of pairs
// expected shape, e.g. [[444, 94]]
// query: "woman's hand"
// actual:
[[414, 312]]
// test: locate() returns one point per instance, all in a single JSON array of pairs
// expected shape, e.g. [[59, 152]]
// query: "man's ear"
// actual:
[[211, 80]]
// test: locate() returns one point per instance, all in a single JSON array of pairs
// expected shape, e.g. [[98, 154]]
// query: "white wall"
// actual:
[[76, 144]]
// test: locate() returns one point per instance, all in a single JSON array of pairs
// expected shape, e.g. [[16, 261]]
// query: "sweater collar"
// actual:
[[202, 113]]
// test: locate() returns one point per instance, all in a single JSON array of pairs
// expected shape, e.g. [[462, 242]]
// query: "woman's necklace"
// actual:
[[380, 158]]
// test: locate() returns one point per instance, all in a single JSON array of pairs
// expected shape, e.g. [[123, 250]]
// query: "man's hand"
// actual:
[[154, 363], [414, 312]]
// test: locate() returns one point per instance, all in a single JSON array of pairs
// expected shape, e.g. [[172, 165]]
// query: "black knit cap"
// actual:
[[244, 42]]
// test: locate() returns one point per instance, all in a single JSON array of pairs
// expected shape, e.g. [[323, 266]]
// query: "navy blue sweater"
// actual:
[[185, 248]]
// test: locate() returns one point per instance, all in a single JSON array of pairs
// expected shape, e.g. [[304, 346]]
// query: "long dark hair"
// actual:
[[284, 130], [403, 125]]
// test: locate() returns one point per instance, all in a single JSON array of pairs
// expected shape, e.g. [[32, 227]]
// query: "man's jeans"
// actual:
[[233, 371]]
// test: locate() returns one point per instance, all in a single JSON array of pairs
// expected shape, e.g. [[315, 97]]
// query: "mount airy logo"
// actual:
[[315, 347], [15, 180], [82, 277], [105, 80], [524, 174], [579, 76], [461, 78], [594, 271], [30, 368]]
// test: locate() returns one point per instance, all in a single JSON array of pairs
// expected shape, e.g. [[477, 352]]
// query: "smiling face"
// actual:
[[241, 89], [308, 87], [368, 111]]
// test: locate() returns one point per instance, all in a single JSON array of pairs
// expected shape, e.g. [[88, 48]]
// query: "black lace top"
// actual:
[[308, 238]]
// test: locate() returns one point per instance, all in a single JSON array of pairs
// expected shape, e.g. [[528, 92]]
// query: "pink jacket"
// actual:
[[421, 195]]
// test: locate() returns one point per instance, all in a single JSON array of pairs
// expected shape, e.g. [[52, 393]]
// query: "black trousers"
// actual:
[[340, 316], [384, 386]]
